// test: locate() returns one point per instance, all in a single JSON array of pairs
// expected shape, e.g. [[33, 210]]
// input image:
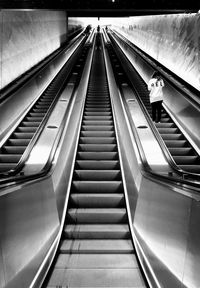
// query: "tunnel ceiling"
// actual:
[[103, 8]]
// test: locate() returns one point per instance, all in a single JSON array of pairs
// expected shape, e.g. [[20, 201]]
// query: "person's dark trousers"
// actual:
[[156, 110]]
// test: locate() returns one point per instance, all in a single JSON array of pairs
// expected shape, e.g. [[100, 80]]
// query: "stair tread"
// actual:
[[96, 278], [97, 246], [90, 261]]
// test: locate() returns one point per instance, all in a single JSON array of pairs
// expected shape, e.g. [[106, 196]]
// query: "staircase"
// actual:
[[96, 248], [16, 144]]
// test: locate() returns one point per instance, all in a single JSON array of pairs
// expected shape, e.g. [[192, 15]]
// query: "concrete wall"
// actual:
[[27, 37], [74, 24], [173, 40]]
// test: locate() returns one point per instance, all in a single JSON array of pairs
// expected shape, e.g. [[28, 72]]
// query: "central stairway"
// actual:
[[96, 248]]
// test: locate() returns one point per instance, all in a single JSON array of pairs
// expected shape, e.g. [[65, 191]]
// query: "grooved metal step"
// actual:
[[98, 200], [97, 231], [96, 164], [96, 237]]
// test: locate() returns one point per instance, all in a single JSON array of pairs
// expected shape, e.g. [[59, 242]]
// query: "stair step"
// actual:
[[14, 149], [97, 123], [165, 125], [97, 128], [98, 147], [26, 129], [82, 278], [34, 119], [97, 140], [90, 261], [97, 175], [97, 246], [96, 187], [172, 136], [97, 118], [185, 159], [191, 168], [97, 164], [176, 143], [97, 215], [98, 200], [30, 124], [19, 135], [10, 158], [167, 130], [97, 133], [97, 231], [87, 109], [97, 155], [7, 166], [18, 142], [180, 151]]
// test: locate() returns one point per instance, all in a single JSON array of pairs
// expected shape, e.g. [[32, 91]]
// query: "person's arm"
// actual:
[[149, 86]]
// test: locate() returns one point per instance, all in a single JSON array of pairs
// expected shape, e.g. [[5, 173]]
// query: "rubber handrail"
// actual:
[[30, 146], [177, 170]]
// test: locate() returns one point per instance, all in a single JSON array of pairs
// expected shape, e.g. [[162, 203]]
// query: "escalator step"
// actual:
[[97, 133], [96, 187], [94, 165], [97, 246], [165, 125], [26, 129], [96, 215], [97, 231], [176, 143], [20, 135], [97, 123], [185, 159], [97, 128], [97, 140], [90, 261], [34, 119], [97, 114], [172, 136], [18, 142], [167, 130], [37, 114], [98, 200], [98, 147], [14, 149], [93, 118], [191, 168], [7, 166], [97, 110], [97, 175], [10, 158], [180, 151], [97, 155], [30, 124]]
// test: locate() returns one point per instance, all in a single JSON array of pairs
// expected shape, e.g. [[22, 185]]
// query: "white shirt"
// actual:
[[155, 87]]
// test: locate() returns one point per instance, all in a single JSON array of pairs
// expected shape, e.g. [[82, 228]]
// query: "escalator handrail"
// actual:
[[180, 84], [5, 175], [19, 82], [184, 174]]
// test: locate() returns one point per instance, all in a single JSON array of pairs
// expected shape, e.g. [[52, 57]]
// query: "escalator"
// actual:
[[96, 248], [14, 147], [181, 150]]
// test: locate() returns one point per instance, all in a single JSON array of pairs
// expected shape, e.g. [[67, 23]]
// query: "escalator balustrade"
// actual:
[[14, 147], [96, 249], [179, 147]]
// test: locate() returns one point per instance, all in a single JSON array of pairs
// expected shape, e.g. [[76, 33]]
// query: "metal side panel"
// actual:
[[28, 221]]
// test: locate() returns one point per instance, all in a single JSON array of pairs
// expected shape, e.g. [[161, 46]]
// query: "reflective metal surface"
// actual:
[[166, 220]]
